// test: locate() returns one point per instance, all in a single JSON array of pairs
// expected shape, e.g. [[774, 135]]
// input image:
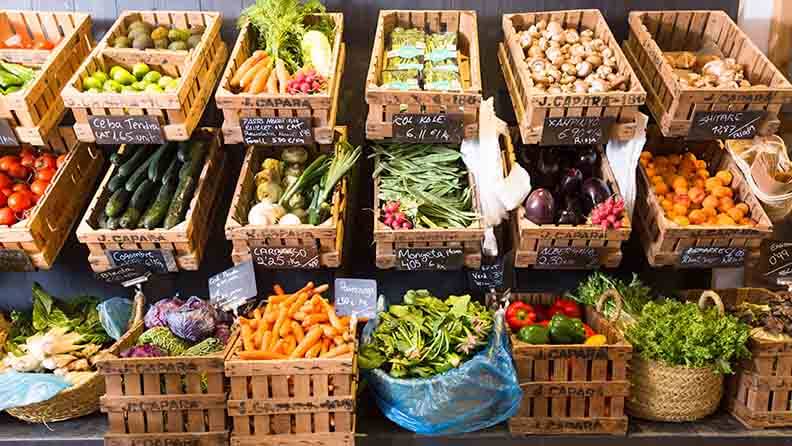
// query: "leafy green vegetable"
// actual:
[[426, 336], [343, 160], [634, 294], [681, 334]]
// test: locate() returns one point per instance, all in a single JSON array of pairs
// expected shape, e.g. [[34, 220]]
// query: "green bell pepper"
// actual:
[[565, 330], [534, 334]]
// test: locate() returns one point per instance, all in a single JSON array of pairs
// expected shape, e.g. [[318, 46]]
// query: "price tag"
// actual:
[[233, 287], [488, 276], [576, 131], [7, 135], [696, 257], [442, 128], [430, 259], [776, 260], [122, 274], [286, 257], [725, 124], [15, 260], [275, 131], [356, 297], [159, 261], [567, 257], [126, 129]]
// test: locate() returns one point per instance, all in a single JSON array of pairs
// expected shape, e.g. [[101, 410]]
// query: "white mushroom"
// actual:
[[584, 68]]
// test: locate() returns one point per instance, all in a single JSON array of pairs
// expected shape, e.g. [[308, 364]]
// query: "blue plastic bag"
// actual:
[[20, 389], [114, 315], [480, 393]]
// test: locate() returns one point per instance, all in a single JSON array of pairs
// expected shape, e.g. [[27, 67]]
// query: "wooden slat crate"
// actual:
[[759, 393], [42, 234], [178, 112], [384, 103], [531, 108], [292, 402], [186, 241], [664, 241], [572, 389], [34, 112], [530, 239], [165, 400], [322, 108], [327, 237], [673, 107]]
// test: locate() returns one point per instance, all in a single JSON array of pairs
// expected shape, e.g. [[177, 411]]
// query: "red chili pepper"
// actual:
[[519, 315], [567, 307], [589, 331]]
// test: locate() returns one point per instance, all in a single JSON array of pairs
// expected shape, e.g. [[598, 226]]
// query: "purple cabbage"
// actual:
[[194, 321], [155, 316], [143, 351], [222, 332]]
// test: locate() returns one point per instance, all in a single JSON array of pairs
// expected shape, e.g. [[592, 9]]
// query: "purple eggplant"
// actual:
[[540, 207], [548, 168], [594, 192], [570, 182], [586, 161], [572, 213]]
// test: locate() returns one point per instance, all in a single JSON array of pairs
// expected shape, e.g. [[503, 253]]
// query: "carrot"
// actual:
[[297, 331], [283, 75], [345, 320], [288, 302], [307, 308], [298, 303], [276, 328], [247, 78], [321, 289], [306, 289], [299, 316], [338, 340], [334, 321], [259, 83], [259, 335], [247, 337], [286, 328], [314, 319], [313, 336], [313, 352], [272, 82], [325, 346], [278, 289], [261, 354], [340, 350], [278, 298], [271, 317], [290, 344], [265, 340], [329, 330], [249, 63], [279, 347]]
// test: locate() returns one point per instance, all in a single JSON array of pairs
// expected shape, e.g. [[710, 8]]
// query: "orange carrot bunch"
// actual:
[[296, 326]]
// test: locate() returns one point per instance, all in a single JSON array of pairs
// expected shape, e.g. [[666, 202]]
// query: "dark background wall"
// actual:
[[72, 275]]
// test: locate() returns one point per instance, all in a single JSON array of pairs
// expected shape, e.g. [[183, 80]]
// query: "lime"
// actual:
[[140, 69]]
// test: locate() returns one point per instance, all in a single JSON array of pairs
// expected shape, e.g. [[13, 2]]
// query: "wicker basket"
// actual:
[[81, 400], [674, 393]]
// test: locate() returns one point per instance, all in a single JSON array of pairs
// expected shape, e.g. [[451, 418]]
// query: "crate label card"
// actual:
[[14, 260], [431, 259], [126, 129], [122, 273], [567, 257], [273, 131], [776, 260], [442, 128], [287, 257], [233, 287], [576, 131], [158, 261], [356, 297], [7, 135], [488, 276], [708, 125], [703, 257]]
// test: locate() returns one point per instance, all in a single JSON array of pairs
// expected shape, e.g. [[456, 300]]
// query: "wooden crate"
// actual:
[[530, 239], [35, 112], [327, 238], [673, 107], [321, 108], [40, 237], [531, 108], [664, 241], [178, 112], [186, 241], [292, 402], [384, 103], [165, 400], [572, 389]]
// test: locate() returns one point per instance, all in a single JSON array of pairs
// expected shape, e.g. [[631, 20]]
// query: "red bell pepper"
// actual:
[[519, 315], [541, 312], [589, 331], [567, 307]]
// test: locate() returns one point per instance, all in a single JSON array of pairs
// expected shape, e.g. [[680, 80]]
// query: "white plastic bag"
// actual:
[[623, 157]]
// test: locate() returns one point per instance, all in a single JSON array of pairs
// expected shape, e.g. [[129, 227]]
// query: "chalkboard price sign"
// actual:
[[126, 129], [233, 287], [576, 131], [709, 125], [159, 261], [776, 260], [443, 128], [356, 297], [287, 257], [429, 259], [701, 257], [15, 260], [7, 135], [274, 131], [123, 273], [567, 257], [488, 276]]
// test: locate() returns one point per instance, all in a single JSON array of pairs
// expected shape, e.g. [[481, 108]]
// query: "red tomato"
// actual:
[[27, 160], [5, 181], [3, 201], [20, 201], [7, 191], [7, 161], [45, 161], [59, 162], [7, 217], [18, 171], [38, 187], [28, 151], [45, 174], [21, 187]]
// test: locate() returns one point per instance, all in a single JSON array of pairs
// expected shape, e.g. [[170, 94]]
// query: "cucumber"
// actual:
[[117, 203], [134, 161], [102, 221], [155, 214], [173, 171], [138, 202], [184, 151], [188, 178], [159, 162], [113, 223], [140, 174], [115, 183], [118, 158]]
